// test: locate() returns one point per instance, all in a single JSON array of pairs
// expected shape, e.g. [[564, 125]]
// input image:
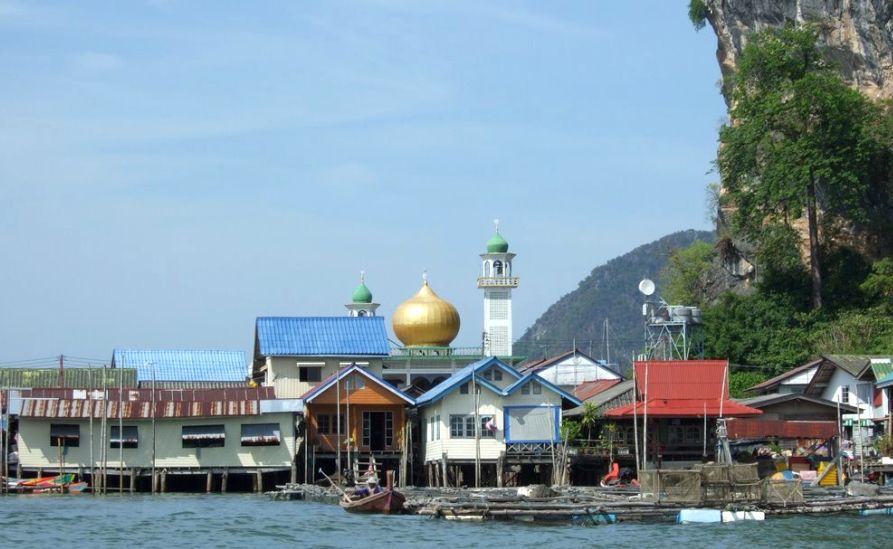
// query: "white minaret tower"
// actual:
[[497, 282]]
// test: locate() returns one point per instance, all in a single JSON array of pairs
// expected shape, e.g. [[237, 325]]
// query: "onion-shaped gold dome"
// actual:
[[426, 320]]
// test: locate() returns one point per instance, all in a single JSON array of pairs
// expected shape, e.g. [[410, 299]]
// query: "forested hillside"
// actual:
[[609, 292]]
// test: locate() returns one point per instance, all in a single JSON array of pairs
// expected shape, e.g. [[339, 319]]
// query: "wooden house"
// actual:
[[681, 400], [489, 415], [354, 418]]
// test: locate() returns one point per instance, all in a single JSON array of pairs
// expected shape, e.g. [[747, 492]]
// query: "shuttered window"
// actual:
[[260, 434], [204, 436], [65, 435], [129, 440]]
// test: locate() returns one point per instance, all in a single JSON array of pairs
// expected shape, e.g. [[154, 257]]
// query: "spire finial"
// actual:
[[362, 277], [496, 222], [425, 276]]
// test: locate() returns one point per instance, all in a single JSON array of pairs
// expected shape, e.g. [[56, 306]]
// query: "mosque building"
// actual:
[[426, 324]]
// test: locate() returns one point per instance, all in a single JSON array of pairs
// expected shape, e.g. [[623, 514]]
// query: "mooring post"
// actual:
[[500, 470]]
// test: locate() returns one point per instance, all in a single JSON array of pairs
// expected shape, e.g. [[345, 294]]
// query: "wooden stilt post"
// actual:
[[223, 479], [163, 481], [209, 482], [259, 482], [500, 470], [154, 481], [132, 480]]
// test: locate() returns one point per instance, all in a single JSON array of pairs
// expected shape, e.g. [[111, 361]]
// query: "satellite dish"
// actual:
[[646, 286]]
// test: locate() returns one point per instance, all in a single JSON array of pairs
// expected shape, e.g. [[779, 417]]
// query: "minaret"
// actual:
[[361, 301], [497, 282]]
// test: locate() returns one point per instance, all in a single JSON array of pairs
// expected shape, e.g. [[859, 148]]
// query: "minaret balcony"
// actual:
[[498, 281]]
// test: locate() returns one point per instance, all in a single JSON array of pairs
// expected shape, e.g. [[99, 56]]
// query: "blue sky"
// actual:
[[171, 170]]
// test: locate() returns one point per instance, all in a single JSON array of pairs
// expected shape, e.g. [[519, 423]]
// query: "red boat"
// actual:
[[388, 501]]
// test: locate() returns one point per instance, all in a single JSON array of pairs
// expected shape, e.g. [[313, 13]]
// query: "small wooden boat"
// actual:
[[388, 501]]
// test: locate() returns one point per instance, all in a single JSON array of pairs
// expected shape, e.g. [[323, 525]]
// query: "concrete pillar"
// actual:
[[259, 482], [163, 481], [223, 479], [132, 481], [209, 482], [445, 480]]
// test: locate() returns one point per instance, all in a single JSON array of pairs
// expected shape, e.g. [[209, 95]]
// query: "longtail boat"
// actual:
[[388, 501]]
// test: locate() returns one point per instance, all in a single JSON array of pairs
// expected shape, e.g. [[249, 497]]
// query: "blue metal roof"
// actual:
[[183, 365], [461, 376], [464, 375], [322, 336]]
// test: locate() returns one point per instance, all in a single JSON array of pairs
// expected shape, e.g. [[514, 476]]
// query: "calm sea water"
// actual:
[[254, 521]]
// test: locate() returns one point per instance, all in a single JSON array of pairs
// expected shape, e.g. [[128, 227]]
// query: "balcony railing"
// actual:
[[498, 281]]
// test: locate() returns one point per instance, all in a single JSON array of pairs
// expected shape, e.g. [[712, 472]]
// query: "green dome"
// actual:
[[497, 245], [362, 294]]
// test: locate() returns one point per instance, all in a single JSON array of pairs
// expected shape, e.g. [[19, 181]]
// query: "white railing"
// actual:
[[499, 281]]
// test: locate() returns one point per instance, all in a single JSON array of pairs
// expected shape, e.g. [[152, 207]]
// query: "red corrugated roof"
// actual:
[[758, 428], [589, 389], [685, 408], [137, 403], [683, 388], [682, 379]]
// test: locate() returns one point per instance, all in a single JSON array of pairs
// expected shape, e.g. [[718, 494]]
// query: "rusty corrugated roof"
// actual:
[[137, 403]]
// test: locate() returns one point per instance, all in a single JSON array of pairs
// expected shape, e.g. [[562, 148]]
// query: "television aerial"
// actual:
[[646, 286]]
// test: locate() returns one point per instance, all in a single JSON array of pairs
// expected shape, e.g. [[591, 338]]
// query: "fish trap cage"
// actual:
[[716, 484], [670, 486], [782, 491], [736, 483]]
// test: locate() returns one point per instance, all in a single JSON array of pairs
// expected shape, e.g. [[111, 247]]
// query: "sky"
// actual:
[[171, 170]]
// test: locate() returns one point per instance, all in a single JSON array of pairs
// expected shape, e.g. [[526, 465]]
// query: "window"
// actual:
[[327, 424], [355, 382], [488, 427], [260, 434], [437, 427], [525, 390], [204, 436], [463, 389], [497, 268], [129, 440], [537, 388], [310, 374], [493, 374], [462, 426], [457, 426], [845, 394], [65, 435]]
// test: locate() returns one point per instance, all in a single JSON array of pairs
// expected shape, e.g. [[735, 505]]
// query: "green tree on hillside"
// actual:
[[799, 141], [684, 274]]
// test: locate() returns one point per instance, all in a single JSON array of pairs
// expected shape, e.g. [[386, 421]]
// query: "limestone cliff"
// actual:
[[859, 34]]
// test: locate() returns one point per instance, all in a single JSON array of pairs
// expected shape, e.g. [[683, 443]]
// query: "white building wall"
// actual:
[[283, 373], [35, 449], [490, 404]]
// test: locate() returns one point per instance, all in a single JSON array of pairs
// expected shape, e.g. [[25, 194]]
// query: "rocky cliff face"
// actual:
[[859, 34]]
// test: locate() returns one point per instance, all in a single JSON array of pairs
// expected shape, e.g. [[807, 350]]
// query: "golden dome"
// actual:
[[426, 320]]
